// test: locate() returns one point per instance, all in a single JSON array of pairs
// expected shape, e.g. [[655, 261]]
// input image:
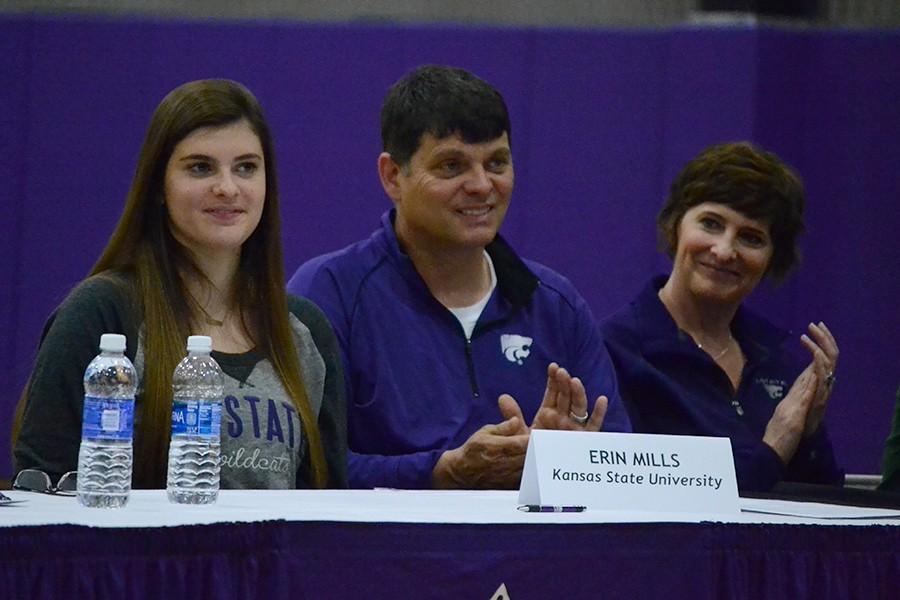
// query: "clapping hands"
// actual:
[[493, 456], [801, 411], [563, 407]]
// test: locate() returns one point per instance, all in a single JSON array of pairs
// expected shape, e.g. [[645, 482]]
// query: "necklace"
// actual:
[[723, 352], [214, 322], [208, 318]]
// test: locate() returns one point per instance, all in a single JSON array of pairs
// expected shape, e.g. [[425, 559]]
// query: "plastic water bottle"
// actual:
[[198, 383], [105, 456]]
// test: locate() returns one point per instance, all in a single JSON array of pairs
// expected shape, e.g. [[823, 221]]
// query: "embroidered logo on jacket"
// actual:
[[515, 348], [773, 387]]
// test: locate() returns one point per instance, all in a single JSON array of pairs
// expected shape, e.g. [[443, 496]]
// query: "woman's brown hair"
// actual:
[[143, 247], [750, 180]]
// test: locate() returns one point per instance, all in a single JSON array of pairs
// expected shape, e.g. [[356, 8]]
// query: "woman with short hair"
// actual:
[[692, 360]]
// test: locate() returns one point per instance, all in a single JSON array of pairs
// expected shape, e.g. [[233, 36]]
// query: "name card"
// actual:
[[630, 471]]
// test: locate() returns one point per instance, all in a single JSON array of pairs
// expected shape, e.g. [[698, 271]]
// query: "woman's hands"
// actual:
[[801, 412], [825, 353]]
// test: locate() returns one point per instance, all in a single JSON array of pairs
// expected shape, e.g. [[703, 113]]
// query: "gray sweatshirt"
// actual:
[[263, 443]]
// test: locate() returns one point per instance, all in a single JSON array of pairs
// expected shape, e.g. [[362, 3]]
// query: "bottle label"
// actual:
[[108, 419], [190, 417]]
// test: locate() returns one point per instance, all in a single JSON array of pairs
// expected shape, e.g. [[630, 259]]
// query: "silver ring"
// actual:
[[830, 379], [580, 420]]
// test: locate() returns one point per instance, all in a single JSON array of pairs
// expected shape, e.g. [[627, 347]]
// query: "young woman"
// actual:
[[692, 360], [198, 251]]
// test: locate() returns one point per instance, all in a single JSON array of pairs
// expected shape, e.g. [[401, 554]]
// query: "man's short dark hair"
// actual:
[[755, 183], [441, 101]]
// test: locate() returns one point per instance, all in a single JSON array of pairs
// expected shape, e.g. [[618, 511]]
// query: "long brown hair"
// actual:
[[143, 246]]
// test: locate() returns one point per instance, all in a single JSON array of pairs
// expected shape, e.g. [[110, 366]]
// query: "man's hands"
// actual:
[[493, 457], [564, 397]]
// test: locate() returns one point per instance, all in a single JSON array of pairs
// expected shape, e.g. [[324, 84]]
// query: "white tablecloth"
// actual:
[[150, 508]]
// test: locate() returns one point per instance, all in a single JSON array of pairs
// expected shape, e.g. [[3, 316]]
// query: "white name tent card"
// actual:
[[630, 471]]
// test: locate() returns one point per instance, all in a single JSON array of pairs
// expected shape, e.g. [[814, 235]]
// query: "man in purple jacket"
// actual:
[[450, 340]]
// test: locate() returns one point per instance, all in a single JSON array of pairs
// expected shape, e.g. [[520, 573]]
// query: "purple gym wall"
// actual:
[[602, 120]]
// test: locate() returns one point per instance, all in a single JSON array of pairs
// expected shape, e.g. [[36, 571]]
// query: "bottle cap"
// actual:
[[112, 342], [199, 343]]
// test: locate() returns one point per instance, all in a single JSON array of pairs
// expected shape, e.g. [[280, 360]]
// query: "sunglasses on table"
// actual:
[[33, 480]]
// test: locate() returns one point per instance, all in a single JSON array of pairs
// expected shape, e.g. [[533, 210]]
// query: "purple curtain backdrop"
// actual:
[[602, 121]]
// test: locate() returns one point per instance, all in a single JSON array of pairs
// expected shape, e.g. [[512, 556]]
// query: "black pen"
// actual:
[[541, 508]]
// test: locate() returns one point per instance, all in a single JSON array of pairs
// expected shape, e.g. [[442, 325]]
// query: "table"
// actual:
[[437, 544]]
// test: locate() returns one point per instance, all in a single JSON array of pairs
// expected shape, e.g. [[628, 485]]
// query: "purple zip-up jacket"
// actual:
[[416, 386]]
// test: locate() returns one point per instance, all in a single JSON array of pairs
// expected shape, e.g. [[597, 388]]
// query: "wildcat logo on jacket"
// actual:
[[773, 387], [515, 348]]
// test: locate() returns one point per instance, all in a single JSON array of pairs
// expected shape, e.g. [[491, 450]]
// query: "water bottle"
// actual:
[[197, 384], [105, 456]]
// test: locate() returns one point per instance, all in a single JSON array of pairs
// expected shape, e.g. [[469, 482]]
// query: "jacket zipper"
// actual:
[[470, 365]]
